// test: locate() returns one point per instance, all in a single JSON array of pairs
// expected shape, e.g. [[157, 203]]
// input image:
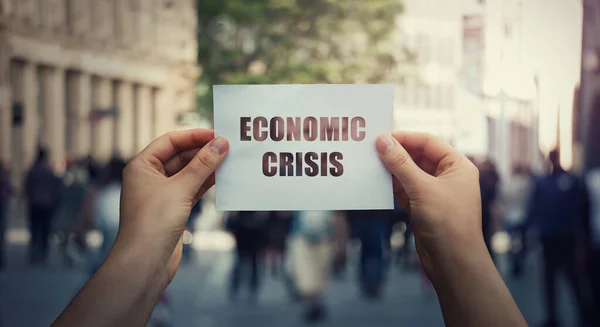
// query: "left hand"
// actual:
[[160, 187]]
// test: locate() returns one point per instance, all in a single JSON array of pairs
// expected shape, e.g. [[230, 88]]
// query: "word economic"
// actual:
[[308, 129]]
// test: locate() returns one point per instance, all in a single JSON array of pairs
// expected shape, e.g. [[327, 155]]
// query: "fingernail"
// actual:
[[219, 145], [385, 143]]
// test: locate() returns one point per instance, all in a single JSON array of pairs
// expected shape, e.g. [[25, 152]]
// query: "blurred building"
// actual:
[[96, 77], [509, 88], [587, 133], [533, 50], [426, 100], [486, 77], [442, 93]]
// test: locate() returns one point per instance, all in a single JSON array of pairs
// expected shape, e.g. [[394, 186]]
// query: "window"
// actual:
[[399, 95], [437, 97], [69, 17], [169, 4], [40, 13], [422, 96], [423, 48], [445, 51], [448, 97], [409, 94], [429, 103]]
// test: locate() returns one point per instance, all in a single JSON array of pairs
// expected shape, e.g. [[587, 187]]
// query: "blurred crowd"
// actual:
[[66, 205], [555, 215]]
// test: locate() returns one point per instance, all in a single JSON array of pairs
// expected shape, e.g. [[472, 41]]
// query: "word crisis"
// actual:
[[291, 164], [311, 129]]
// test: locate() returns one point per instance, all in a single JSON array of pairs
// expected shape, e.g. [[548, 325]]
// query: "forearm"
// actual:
[[123, 292], [471, 291]]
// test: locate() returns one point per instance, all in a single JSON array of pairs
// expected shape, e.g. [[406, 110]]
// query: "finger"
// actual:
[[203, 165], [399, 162], [167, 146], [428, 151], [208, 183], [180, 160]]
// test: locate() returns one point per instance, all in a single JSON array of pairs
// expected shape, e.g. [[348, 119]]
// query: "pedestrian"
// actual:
[[105, 203], [372, 228], [278, 226], [341, 238], [311, 255], [6, 194], [161, 184], [43, 189], [72, 199], [93, 167], [401, 220], [515, 199], [249, 230], [592, 180], [188, 248], [489, 182], [557, 211]]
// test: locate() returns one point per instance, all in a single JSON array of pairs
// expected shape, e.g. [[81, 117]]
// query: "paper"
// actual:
[[303, 147]]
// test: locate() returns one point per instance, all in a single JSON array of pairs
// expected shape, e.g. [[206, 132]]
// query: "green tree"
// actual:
[[296, 41]]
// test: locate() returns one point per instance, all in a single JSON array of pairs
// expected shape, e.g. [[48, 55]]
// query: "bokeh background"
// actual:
[[505, 81]]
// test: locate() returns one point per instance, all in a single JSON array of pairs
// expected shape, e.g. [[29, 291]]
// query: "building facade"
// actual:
[[99, 77], [587, 133], [426, 100], [469, 83]]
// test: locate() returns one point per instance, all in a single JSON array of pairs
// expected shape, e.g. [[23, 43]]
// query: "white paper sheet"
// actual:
[[244, 181]]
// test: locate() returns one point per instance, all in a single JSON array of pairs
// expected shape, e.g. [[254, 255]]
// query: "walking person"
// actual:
[[43, 189], [489, 182], [278, 226], [371, 227], [104, 204], [404, 254], [6, 195], [592, 180], [72, 199], [557, 210], [188, 246], [249, 230], [515, 199], [311, 255]]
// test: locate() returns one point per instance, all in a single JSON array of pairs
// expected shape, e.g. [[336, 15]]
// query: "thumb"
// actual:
[[204, 163], [399, 162]]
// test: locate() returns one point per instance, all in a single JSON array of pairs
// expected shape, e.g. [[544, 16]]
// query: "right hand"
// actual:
[[439, 188]]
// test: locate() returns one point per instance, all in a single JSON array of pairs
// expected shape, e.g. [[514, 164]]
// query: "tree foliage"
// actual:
[[296, 41]]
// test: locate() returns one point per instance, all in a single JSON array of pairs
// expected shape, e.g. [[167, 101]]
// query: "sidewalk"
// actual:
[[34, 296]]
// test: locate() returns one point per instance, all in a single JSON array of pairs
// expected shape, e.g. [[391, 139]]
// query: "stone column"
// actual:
[[78, 107], [5, 124], [125, 123], [143, 116], [102, 129], [26, 136], [165, 113], [54, 114], [5, 100]]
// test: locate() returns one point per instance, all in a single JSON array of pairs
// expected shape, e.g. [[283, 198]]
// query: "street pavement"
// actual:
[[34, 296]]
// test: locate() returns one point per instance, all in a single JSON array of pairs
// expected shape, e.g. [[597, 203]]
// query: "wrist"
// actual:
[[141, 265], [453, 259]]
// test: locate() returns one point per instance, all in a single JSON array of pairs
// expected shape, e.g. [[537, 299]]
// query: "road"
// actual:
[[33, 296]]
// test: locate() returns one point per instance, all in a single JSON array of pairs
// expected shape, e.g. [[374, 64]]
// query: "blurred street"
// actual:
[[511, 84], [34, 296]]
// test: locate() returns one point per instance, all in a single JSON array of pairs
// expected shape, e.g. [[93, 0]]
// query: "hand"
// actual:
[[439, 188], [160, 187]]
